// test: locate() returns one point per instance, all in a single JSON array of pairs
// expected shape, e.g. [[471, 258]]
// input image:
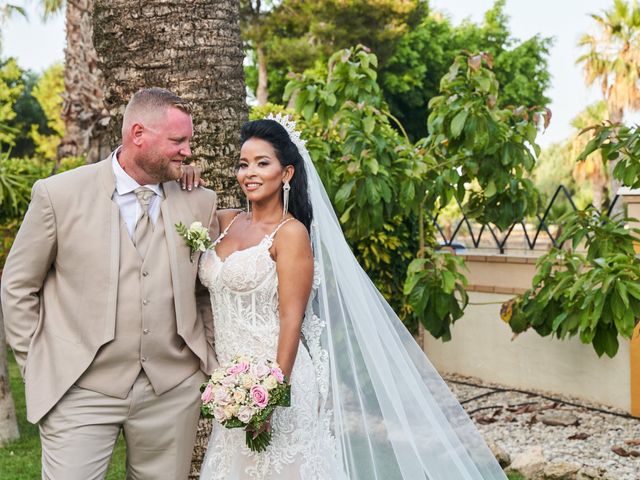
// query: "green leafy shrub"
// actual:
[[385, 189], [595, 295]]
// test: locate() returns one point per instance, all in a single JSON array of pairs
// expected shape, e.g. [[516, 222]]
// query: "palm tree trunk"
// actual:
[[193, 49], [615, 116], [8, 422], [83, 110], [262, 91], [599, 188]]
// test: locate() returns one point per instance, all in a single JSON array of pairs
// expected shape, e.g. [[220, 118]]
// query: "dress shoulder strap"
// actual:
[[273, 234], [226, 230]]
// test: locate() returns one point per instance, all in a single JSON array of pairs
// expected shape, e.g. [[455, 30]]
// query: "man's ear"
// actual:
[[137, 131]]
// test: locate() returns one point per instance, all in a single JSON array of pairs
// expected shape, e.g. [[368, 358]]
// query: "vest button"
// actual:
[[145, 273], [143, 359], [145, 331], [145, 302]]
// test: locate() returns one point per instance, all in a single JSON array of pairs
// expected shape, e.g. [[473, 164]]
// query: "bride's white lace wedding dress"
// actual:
[[244, 297]]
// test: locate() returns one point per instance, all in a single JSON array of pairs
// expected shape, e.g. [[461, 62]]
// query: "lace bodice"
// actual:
[[244, 298]]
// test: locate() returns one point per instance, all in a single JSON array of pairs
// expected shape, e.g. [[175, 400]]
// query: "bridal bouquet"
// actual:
[[243, 394]]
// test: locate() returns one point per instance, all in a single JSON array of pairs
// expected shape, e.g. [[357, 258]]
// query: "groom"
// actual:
[[101, 306]]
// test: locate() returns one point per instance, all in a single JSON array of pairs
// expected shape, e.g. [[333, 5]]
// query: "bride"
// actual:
[[284, 285]]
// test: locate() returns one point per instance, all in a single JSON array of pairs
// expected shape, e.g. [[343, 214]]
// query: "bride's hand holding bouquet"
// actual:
[[244, 394]]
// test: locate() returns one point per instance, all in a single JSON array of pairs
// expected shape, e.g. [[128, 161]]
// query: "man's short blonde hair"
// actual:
[[151, 101]]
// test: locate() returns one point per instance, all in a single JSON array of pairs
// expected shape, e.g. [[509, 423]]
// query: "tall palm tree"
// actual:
[[194, 49], [83, 109], [8, 421], [613, 60], [593, 168]]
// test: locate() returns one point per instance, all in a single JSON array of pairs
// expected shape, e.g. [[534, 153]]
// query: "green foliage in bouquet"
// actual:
[[258, 439]]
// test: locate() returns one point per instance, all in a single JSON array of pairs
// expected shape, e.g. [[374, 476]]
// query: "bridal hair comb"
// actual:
[[290, 126]]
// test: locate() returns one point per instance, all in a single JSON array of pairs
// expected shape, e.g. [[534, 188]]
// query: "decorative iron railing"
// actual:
[[531, 238]]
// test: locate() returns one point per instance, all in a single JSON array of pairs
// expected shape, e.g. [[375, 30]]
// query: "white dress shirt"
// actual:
[[125, 198]]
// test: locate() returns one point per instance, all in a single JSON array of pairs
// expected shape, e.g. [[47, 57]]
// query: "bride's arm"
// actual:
[[294, 266]]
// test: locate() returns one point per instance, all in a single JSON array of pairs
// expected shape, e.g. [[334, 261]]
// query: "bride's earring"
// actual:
[[285, 194], [248, 205]]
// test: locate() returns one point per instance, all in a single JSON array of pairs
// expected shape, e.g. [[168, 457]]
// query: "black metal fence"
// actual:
[[499, 239]]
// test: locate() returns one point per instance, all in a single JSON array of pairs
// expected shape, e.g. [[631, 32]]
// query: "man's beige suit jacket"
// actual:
[[59, 283]]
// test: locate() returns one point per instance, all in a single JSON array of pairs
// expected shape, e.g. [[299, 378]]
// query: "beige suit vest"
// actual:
[[145, 333]]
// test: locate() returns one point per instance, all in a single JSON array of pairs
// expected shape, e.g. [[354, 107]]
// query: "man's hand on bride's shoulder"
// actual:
[[191, 177]]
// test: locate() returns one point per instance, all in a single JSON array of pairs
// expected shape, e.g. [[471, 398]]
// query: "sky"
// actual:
[[37, 45]]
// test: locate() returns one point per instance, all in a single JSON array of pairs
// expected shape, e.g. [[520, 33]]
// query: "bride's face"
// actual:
[[260, 173]]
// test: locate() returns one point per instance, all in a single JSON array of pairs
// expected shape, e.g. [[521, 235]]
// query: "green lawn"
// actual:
[[20, 460]]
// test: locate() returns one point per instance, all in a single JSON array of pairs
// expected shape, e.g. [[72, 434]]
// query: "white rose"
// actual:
[[217, 376], [245, 414], [248, 381], [231, 410], [270, 382], [196, 226], [239, 396]]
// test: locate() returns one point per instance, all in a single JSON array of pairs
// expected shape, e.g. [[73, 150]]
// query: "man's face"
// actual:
[[166, 145]]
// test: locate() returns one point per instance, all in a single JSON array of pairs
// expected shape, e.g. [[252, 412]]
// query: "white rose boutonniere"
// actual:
[[196, 237]]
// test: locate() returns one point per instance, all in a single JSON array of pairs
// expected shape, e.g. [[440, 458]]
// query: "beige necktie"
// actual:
[[144, 228]]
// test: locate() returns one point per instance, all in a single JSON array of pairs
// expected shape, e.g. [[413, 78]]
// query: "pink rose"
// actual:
[[276, 372], [207, 394], [240, 367], [260, 396], [260, 370]]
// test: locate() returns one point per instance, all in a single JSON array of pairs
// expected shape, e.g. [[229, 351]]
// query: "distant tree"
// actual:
[[422, 57], [612, 59], [593, 168], [8, 10], [295, 34], [415, 47], [11, 87], [255, 25], [48, 92], [554, 167]]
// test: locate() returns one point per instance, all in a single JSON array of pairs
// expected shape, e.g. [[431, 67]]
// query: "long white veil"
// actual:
[[391, 413]]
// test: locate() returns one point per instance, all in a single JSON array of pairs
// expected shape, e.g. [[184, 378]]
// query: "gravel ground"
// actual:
[[516, 422]]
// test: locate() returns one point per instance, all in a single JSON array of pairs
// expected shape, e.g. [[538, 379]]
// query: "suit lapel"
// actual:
[[107, 179], [174, 210]]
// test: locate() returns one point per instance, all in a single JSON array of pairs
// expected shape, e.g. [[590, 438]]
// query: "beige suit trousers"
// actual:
[[78, 435]]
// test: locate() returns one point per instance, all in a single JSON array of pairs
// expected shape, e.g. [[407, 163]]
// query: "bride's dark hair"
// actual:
[[288, 154]]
